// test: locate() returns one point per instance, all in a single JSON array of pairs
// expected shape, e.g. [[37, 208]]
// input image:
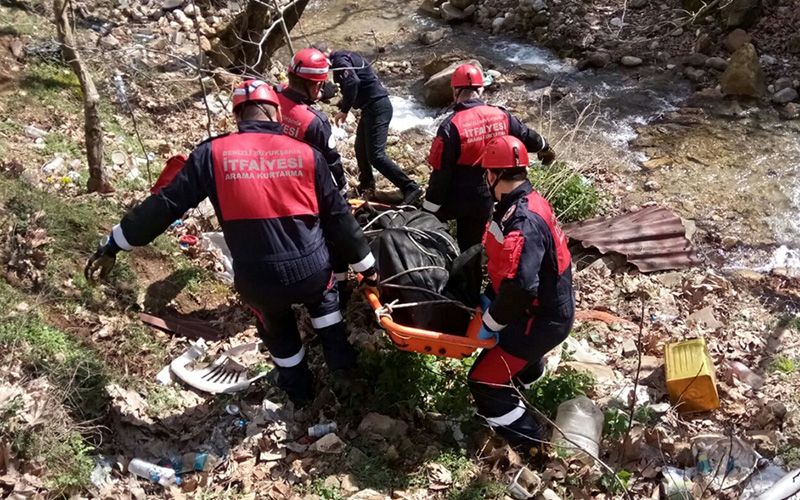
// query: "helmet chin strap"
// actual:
[[493, 185]]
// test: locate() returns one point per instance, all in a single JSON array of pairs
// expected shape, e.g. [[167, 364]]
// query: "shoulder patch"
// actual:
[[509, 213]]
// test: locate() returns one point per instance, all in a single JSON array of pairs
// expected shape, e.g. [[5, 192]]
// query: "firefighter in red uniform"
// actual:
[[277, 203], [308, 72], [457, 189], [529, 305]]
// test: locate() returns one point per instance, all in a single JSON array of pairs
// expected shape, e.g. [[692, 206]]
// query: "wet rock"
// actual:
[[783, 83], [716, 63], [793, 44], [462, 4], [379, 426], [171, 4], [497, 24], [539, 5], [697, 60], [694, 75], [740, 13], [790, 112], [637, 4], [437, 92], [768, 60], [784, 96], [599, 59], [431, 37], [630, 61], [743, 76], [736, 39], [692, 5], [452, 14], [703, 44], [676, 32], [616, 22], [728, 242], [540, 20]]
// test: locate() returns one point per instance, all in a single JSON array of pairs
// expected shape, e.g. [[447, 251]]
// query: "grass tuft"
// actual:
[[573, 196]]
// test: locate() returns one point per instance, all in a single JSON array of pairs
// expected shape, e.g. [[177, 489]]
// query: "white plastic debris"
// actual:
[[224, 376], [215, 242], [34, 132]]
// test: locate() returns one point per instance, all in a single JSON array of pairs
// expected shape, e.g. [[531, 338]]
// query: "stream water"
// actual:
[[733, 169]]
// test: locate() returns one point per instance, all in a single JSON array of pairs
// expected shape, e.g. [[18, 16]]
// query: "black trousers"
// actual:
[[277, 326], [371, 134], [471, 214], [517, 359]]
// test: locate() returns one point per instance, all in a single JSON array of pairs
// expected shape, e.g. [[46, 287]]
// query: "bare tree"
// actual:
[[247, 42], [93, 126]]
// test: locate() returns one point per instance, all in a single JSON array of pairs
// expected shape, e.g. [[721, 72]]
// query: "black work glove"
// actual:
[[103, 260], [369, 280], [547, 156]]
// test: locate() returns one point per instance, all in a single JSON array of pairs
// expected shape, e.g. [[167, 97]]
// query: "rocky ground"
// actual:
[[79, 397]]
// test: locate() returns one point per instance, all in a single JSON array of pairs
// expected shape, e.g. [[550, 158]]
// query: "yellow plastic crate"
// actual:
[[690, 376]]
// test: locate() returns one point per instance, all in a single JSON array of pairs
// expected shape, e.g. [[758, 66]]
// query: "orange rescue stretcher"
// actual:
[[412, 339]]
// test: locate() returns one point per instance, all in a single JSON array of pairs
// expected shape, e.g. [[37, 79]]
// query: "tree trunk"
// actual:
[[93, 126], [246, 44]]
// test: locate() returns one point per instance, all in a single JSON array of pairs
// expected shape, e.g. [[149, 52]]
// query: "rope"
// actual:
[[412, 270]]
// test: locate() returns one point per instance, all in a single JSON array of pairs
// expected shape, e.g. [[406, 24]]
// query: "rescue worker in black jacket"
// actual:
[[277, 203], [308, 72], [457, 189], [362, 90], [529, 305]]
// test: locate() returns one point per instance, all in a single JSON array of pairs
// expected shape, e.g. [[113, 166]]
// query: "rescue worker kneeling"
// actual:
[[529, 305], [277, 203]]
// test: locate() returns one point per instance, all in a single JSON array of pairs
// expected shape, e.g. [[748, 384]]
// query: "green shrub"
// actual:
[[573, 196], [615, 423], [553, 390]]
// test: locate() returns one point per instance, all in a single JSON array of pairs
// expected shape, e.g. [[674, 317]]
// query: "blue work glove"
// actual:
[[484, 302], [485, 334]]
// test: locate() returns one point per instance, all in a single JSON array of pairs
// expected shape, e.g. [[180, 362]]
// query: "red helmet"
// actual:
[[310, 64], [467, 75], [505, 152], [254, 91]]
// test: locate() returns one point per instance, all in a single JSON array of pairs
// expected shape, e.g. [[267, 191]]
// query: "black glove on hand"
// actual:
[[546, 156], [103, 260], [370, 278]]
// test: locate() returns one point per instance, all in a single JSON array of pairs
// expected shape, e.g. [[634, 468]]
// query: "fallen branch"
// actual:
[[639, 349]]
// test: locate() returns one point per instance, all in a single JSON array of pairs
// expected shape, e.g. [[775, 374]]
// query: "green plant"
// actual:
[[783, 364], [458, 463], [161, 401], [608, 483], [572, 196], [645, 414], [553, 390], [790, 456], [479, 490], [615, 423], [414, 380], [319, 488]]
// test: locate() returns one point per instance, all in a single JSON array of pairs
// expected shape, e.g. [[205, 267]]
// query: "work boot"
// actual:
[[412, 196], [297, 384], [348, 385], [366, 191]]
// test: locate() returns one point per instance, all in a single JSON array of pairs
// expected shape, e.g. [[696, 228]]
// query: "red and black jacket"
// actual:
[[529, 263], [308, 124], [357, 80], [275, 200], [457, 152]]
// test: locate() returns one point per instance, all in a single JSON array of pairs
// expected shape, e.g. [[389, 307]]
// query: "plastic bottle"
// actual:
[[747, 375], [161, 475], [320, 430], [785, 488], [193, 462], [582, 424]]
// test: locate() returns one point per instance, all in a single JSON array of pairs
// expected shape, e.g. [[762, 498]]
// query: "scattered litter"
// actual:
[[524, 483], [723, 461], [678, 485], [34, 132], [232, 409], [320, 430], [54, 166], [772, 483], [188, 239], [101, 475], [193, 462], [691, 381], [224, 376], [133, 174], [579, 350], [705, 318], [215, 242], [152, 472], [177, 223], [118, 158], [746, 375], [582, 424], [164, 377]]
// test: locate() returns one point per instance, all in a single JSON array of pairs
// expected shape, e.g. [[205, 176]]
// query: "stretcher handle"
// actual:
[[471, 339]]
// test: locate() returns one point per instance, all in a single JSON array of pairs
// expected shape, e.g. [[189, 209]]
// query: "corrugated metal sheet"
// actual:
[[652, 239]]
